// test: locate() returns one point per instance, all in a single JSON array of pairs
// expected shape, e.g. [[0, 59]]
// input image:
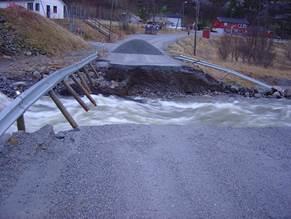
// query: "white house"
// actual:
[[174, 22], [171, 21], [54, 9]]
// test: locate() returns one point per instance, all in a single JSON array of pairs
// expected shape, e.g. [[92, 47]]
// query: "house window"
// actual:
[[30, 6], [55, 9], [37, 6], [48, 11]]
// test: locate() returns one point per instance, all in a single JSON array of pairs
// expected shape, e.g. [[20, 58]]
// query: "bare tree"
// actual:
[[255, 48], [288, 50]]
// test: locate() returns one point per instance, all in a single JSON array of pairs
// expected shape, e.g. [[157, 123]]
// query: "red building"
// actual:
[[230, 25]]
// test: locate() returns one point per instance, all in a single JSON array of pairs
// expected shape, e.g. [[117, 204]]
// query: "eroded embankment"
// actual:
[[156, 82]]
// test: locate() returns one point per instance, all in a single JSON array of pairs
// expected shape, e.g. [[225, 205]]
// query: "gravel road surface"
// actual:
[[135, 171], [137, 50]]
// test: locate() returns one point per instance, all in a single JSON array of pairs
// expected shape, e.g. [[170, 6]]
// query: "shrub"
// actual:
[[263, 51], [224, 49], [255, 48]]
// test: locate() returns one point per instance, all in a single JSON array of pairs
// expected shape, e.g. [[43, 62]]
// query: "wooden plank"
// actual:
[[62, 108], [76, 96], [89, 78], [84, 90], [95, 71], [83, 82]]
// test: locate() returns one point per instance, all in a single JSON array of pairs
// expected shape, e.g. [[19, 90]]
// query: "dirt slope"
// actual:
[[82, 29], [24, 32]]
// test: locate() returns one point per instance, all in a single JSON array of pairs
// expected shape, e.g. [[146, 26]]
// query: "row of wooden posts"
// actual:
[[82, 81]]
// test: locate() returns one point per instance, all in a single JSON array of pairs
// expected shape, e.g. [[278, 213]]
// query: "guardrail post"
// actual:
[[13, 112], [21, 123], [83, 81], [89, 78], [76, 96], [96, 73], [84, 90], [62, 108]]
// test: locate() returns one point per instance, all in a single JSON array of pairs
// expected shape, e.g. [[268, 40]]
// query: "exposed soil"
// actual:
[[156, 83], [31, 69]]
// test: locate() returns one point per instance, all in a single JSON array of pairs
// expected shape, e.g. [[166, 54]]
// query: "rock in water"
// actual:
[[287, 93], [277, 94], [28, 53], [36, 75]]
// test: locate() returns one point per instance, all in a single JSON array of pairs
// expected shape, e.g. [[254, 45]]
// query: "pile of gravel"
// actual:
[[140, 47]]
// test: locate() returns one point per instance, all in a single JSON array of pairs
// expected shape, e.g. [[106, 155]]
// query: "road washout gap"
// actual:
[[137, 46]]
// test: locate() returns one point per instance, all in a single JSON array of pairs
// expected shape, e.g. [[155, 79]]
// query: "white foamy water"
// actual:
[[242, 112], [4, 101]]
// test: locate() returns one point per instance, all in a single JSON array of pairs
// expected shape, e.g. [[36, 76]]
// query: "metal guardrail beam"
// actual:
[[15, 109], [217, 67]]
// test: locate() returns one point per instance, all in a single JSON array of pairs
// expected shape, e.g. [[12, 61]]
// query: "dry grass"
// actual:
[[89, 33], [207, 50], [169, 30], [41, 33], [83, 30]]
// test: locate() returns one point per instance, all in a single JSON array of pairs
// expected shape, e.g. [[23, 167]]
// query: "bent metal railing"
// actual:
[[15, 110], [220, 68]]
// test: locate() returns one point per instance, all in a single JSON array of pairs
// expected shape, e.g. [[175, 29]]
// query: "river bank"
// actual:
[[152, 82]]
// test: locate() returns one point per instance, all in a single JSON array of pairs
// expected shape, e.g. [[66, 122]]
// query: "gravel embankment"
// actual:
[[147, 171]]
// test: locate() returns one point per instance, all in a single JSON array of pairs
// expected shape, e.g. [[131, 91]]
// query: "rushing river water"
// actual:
[[226, 111]]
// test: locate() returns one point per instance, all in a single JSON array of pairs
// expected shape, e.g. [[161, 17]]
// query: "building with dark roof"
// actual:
[[227, 25]]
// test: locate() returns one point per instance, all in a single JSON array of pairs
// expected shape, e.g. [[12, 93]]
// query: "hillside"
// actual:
[[23, 32], [82, 29]]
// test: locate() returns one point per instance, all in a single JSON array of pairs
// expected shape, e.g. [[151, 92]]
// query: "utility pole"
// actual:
[[154, 10], [183, 10], [196, 26], [111, 17]]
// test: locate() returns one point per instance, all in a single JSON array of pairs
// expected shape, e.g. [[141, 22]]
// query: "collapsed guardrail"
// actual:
[[229, 71], [15, 110]]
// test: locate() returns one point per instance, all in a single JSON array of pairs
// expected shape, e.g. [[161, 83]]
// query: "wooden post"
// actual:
[[96, 73], [21, 123], [224, 77], [196, 26], [84, 90], [62, 108], [83, 82], [76, 96], [89, 78]]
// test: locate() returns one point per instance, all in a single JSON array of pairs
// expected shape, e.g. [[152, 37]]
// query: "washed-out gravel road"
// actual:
[[142, 50], [136, 171]]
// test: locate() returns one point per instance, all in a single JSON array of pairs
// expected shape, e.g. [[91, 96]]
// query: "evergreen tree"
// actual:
[[235, 9]]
